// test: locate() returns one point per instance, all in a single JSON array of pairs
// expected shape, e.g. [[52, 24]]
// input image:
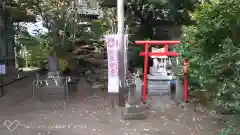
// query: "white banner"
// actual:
[[113, 63], [113, 49]]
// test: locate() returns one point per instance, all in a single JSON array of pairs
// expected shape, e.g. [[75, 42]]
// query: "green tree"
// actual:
[[147, 15], [213, 51], [151, 20]]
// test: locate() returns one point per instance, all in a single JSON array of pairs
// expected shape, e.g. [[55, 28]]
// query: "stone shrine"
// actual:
[[160, 74]]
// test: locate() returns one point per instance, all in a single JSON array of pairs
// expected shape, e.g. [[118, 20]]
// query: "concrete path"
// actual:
[[89, 112]]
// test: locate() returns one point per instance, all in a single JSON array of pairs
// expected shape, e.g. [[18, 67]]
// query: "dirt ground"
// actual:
[[89, 112]]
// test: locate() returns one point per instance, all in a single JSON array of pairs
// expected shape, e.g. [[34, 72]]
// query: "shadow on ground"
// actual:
[[89, 112]]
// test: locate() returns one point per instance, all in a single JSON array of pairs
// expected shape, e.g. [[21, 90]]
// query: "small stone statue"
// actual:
[[155, 63], [169, 64]]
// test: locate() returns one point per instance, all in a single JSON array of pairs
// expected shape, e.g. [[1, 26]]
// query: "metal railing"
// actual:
[[51, 82]]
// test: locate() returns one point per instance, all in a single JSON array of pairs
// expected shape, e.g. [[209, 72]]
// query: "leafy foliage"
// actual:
[[64, 24], [213, 51], [151, 20], [147, 15]]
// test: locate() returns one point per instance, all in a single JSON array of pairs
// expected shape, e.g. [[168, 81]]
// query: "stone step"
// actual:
[[154, 92], [158, 86], [157, 82], [158, 73], [152, 77]]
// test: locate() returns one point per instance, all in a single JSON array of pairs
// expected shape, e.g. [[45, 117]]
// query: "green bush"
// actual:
[[213, 52], [38, 56]]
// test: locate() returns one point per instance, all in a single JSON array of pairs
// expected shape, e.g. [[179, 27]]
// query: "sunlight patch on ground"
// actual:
[[29, 68]]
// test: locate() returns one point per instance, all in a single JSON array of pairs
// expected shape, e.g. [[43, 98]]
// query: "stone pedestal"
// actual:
[[135, 112], [179, 93], [159, 79]]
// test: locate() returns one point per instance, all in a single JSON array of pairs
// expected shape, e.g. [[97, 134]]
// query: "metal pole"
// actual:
[[2, 89], [120, 19]]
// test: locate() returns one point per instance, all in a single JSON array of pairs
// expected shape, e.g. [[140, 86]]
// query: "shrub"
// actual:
[[213, 52]]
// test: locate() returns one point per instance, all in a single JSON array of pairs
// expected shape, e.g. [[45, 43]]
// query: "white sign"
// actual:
[[2, 69], [113, 63]]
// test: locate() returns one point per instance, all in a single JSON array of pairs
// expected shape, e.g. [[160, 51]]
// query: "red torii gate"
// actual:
[[165, 53]]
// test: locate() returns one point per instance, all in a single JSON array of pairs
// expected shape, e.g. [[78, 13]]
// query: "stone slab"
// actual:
[[135, 112]]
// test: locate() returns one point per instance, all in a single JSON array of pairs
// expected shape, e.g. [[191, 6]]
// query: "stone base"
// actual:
[[135, 112], [158, 92]]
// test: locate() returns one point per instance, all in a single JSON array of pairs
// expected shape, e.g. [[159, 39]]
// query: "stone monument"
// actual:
[[53, 66]]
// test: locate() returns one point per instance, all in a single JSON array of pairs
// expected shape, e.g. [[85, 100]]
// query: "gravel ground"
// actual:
[[89, 112]]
